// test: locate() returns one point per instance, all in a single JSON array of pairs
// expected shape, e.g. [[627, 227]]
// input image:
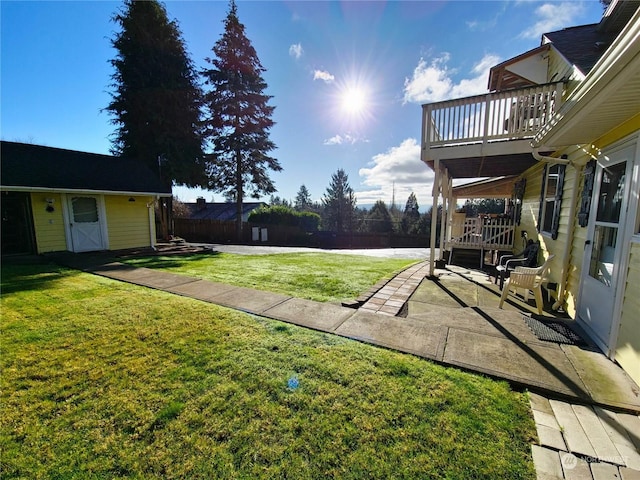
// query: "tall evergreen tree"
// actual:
[[156, 97], [238, 118], [303, 199], [339, 203], [411, 215], [379, 219]]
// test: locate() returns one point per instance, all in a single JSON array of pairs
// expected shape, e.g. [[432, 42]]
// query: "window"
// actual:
[[551, 199], [85, 209]]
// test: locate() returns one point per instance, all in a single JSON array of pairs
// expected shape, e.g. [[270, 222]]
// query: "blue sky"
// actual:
[[347, 78]]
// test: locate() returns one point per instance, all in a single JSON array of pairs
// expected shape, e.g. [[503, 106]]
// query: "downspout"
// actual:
[[564, 276], [567, 250], [152, 230], [564, 273]]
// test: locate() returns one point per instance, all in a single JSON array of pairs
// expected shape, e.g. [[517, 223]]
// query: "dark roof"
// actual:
[[219, 211], [34, 166], [582, 46]]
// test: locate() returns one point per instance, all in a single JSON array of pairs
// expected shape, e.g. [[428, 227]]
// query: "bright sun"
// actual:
[[354, 100]]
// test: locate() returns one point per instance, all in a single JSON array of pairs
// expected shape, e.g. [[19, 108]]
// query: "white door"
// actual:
[[85, 224], [604, 246]]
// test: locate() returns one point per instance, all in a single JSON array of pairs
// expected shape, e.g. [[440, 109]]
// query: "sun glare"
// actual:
[[353, 103], [354, 100]]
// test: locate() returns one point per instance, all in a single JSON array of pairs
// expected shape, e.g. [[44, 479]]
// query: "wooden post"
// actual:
[[446, 192], [434, 213]]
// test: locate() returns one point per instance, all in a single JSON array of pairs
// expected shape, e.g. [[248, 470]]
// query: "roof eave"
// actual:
[[22, 188], [612, 74]]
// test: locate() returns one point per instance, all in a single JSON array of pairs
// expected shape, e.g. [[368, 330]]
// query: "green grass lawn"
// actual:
[[322, 277], [102, 379]]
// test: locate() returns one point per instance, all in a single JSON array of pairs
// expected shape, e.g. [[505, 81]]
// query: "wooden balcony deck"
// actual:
[[496, 124]]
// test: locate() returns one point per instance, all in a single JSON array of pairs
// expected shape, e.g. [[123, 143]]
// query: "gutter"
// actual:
[[547, 159]]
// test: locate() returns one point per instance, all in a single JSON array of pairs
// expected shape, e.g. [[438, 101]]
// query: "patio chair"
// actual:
[[526, 258], [528, 279]]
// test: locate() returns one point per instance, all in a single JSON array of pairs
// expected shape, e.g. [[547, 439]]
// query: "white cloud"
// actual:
[[335, 140], [343, 139], [433, 82], [323, 75], [553, 16], [398, 168], [296, 50]]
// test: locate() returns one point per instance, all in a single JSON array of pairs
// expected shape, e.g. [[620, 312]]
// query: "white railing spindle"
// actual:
[[506, 115]]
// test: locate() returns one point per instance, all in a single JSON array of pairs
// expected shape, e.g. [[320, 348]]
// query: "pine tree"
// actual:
[[379, 219], [339, 203], [303, 200], [411, 215], [238, 118], [156, 98]]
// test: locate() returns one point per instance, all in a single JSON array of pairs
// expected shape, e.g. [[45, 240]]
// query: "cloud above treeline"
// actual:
[[398, 170]]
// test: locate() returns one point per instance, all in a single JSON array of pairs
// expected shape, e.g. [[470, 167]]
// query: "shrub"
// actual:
[[285, 216]]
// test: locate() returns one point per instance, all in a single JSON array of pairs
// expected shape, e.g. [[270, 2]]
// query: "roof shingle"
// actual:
[[35, 166]]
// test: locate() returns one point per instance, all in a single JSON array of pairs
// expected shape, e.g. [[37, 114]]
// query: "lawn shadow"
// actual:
[[33, 273], [176, 260]]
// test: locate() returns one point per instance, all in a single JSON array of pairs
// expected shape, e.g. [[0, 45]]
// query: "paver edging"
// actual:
[[365, 297]]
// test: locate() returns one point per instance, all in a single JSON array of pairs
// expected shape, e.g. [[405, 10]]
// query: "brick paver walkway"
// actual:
[[390, 299]]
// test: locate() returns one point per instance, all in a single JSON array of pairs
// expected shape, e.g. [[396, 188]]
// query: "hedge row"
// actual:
[[281, 215]]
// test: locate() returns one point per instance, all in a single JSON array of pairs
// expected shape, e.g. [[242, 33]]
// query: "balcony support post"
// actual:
[[446, 206], [434, 216]]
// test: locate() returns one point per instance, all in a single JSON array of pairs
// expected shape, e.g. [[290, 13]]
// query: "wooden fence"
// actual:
[[214, 231]]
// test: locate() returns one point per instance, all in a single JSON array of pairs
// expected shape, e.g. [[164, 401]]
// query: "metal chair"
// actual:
[[528, 279], [507, 263]]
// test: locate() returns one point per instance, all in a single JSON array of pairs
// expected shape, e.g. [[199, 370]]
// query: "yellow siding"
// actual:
[[127, 222], [627, 128], [576, 259], [628, 347], [574, 181], [531, 200], [48, 226], [529, 221]]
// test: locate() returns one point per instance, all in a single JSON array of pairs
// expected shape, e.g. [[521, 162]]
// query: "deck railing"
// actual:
[[482, 234], [508, 115]]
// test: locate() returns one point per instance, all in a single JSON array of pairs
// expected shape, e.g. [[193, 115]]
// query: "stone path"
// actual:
[[390, 299]]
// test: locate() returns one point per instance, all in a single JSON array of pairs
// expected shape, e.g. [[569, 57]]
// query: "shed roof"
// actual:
[[25, 166]]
